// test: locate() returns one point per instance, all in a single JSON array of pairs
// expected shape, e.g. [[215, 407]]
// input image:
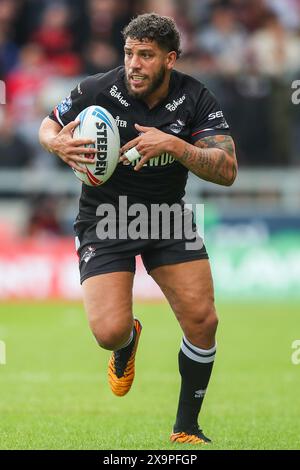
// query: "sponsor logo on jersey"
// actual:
[[162, 160], [101, 165], [216, 115], [222, 125], [119, 122], [177, 126], [117, 94], [175, 103], [65, 106]]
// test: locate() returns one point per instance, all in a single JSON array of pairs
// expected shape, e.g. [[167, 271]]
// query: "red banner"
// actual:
[[48, 268]]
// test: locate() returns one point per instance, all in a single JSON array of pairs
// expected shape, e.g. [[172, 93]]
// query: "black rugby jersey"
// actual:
[[190, 112]]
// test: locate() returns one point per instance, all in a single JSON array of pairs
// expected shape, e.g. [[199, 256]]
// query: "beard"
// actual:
[[156, 82]]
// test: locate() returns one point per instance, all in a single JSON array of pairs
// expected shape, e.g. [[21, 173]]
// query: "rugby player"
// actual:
[[176, 125]]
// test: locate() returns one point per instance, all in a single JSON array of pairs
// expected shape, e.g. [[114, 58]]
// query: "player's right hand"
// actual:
[[72, 151]]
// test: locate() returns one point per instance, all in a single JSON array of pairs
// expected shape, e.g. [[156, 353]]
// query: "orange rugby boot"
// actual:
[[193, 436], [121, 364]]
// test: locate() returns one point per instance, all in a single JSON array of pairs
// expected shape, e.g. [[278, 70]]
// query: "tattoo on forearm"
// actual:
[[214, 159]]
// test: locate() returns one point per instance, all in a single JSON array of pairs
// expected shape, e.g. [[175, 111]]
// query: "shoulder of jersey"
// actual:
[[189, 85], [98, 124], [187, 81]]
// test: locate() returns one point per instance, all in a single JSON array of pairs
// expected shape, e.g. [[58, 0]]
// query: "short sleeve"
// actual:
[[82, 96], [209, 118]]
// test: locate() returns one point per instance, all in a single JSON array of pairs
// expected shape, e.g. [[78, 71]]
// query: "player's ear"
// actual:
[[171, 59]]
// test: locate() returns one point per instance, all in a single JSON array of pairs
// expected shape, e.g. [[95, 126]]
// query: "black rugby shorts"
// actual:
[[101, 256]]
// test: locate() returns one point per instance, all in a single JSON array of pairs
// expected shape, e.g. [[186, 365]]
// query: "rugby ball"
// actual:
[[97, 123]]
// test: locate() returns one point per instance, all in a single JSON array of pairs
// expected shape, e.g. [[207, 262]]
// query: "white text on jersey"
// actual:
[[175, 103], [117, 94]]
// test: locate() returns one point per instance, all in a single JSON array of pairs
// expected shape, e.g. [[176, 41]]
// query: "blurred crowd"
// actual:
[[246, 51]]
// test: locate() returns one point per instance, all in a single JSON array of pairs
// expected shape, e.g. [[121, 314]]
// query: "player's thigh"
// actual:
[[108, 299], [188, 287]]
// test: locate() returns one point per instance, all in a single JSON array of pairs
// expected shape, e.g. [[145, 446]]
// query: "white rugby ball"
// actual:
[[98, 124]]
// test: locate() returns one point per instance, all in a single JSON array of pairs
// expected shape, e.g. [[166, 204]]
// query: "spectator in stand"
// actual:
[[14, 150], [24, 86], [250, 13], [199, 13], [56, 39], [99, 56], [44, 220], [25, 81], [288, 11], [102, 16], [8, 53], [8, 49], [177, 11], [273, 50], [106, 19], [224, 40], [8, 14]]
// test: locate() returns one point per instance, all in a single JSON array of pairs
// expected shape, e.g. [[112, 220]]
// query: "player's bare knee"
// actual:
[[112, 342], [201, 323], [208, 319], [112, 336], [211, 322]]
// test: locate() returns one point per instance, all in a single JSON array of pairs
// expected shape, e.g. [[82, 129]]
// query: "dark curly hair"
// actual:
[[161, 29]]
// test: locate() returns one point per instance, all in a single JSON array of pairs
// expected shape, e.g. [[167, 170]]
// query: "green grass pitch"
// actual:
[[54, 393]]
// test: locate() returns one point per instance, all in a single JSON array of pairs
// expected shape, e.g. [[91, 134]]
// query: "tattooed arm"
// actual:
[[211, 158]]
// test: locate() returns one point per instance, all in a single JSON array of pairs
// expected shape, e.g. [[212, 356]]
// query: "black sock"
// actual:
[[122, 355], [195, 366]]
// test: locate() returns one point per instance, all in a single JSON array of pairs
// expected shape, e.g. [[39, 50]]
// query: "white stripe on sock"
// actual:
[[199, 350], [194, 357]]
